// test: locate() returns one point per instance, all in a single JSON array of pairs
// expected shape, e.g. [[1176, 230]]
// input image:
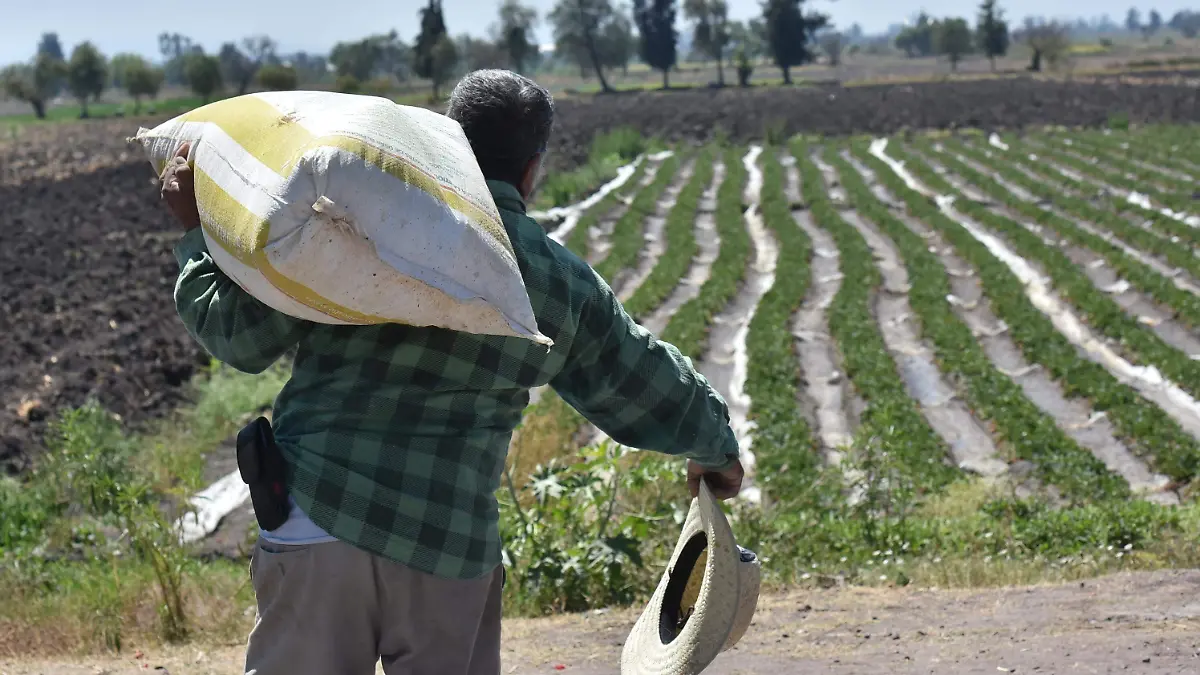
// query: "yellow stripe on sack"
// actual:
[[413, 175], [236, 228], [220, 206], [264, 131], [277, 141]]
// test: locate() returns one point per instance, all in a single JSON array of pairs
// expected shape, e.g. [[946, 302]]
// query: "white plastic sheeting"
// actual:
[[211, 505]]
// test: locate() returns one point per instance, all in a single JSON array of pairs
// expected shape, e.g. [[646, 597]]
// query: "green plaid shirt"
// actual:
[[396, 436]]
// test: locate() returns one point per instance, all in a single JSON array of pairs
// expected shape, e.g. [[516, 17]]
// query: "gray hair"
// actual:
[[507, 119]]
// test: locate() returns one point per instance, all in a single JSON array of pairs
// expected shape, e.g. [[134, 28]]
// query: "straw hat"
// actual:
[[704, 602]]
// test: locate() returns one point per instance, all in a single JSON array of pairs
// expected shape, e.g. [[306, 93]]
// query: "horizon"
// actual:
[[134, 25]]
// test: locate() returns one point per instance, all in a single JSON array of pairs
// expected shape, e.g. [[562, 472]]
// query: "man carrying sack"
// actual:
[[377, 476]]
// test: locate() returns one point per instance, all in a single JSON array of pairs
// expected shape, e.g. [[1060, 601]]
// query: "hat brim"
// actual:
[[656, 644]]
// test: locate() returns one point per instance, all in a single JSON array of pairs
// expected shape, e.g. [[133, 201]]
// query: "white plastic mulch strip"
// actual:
[[570, 214], [1146, 379], [995, 142], [765, 258], [211, 505]]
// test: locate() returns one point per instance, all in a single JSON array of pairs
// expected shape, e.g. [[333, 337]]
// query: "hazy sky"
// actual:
[[132, 25]]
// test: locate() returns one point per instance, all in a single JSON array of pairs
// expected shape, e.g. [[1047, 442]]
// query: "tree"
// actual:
[[655, 21], [50, 47], [444, 58], [1186, 22], [790, 33], [618, 45], [477, 53], [141, 79], [175, 49], [750, 37], [832, 43], [1153, 23], [239, 65], [1048, 41], [278, 78], [118, 66], [364, 58], [953, 39], [433, 28], [710, 26], [34, 83], [203, 75], [516, 33], [87, 74], [1133, 20], [579, 27], [992, 31], [917, 39]]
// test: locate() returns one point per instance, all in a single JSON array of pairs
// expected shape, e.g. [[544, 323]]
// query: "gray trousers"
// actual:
[[333, 609]]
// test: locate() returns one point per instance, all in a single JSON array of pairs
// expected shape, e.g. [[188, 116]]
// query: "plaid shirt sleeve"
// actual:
[[232, 325], [641, 391]]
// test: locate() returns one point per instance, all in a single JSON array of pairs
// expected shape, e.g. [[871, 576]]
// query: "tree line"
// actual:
[[596, 36]]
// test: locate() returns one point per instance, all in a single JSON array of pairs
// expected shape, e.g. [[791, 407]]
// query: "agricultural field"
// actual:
[[957, 326]]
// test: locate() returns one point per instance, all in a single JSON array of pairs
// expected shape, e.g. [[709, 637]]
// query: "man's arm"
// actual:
[[232, 325], [641, 391]]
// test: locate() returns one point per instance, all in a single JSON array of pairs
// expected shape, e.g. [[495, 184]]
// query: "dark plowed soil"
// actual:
[[86, 270]]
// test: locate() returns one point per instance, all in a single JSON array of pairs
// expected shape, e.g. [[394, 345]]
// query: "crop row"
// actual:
[[688, 328], [1026, 431], [628, 234], [1120, 204], [1051, 192], [577, 241], [1140, 275], [891, 421], [1102, 312], [1147, 430], [786, 458]]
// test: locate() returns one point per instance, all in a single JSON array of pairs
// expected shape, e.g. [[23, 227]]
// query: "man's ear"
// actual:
[[529, 176]]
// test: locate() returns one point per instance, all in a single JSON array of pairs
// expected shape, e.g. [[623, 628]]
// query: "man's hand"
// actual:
[[724, 484], [179, 189]]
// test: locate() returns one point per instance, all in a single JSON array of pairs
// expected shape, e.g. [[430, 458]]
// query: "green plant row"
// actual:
[[1100, 310], [628, 235], [892, 420], [1113, 166], [1118, 204], [1145, 428], [680, 236], [786, 458], [1168, 145], [1152, 153], [608, 152], [1179, 256], [1140, 275], [688, 328], [1026, 431], [577, 241]]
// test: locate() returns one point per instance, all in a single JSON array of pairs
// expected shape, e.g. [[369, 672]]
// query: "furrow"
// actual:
[[679, 240], [629, 280], [1123, 171], [892, 433], [827, 398], [688, 327], [1182, 225], [1057, 436], [632, 208], [706, 242], [970, 445], [725, 359], [1106, 232], [1175, 454], [1121, 151], [1105, 273], [788, 464], [568, 216]]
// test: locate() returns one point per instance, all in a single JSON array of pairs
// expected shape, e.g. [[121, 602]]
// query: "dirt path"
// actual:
[[1127, 623]]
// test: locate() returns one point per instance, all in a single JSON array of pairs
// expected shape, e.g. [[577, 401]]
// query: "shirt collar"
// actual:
[[506, 196]]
